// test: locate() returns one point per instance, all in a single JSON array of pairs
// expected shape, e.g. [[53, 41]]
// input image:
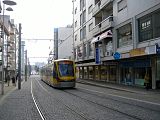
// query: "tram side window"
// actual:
[[54, 71]]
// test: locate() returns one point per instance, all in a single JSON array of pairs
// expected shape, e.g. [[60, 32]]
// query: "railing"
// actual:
[[105, 24]]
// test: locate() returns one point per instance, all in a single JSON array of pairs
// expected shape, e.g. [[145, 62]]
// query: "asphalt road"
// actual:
[[38, 101]]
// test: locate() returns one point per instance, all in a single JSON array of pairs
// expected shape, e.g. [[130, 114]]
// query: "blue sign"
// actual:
[[157, 49], [97, 58], [117, 55]]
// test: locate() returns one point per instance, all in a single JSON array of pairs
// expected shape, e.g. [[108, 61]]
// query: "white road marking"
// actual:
[[36, 103], [153, 103]]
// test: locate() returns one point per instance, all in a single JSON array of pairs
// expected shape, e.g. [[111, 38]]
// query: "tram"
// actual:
[[60, 73]]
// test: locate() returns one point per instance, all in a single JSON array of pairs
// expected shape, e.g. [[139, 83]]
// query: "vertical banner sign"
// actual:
[[97, 58]]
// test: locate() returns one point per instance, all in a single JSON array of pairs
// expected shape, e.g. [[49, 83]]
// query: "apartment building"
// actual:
[[117, 41], [63, 42], [9, 44]]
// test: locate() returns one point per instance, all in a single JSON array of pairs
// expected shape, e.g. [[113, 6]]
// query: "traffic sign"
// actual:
[[117, 55]]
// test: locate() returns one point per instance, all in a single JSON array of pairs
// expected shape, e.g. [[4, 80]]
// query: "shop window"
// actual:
[[145, 28], [103, 73], [85, 73], [158, 69], [149, 26], [97, 75], [112, 74], [90, 72], [80, 72], [124, 35], [140, 75]]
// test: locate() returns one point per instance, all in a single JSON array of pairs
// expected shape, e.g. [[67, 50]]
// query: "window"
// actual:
[[82, 4], [145, 28], [90, 27], [91, 46], [85, 50], [75, 24], [149, 26], [83, 33], [75, 38], [124, 35], [122, 5], [83, 17], [75, 12], [90, 9]]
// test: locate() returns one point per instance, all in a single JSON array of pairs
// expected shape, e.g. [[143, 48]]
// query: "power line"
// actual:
[[37, 39], [37, 57]]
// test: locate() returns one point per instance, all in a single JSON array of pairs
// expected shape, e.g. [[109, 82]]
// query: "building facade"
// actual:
[[9, 45], [63, 39], [117, 41]]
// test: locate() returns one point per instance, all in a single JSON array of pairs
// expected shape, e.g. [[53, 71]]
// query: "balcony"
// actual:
[[107, 23], [96, 9], [102, 26], [97, 29], [105, 3]]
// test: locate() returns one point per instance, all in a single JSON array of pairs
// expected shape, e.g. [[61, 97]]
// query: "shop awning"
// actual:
[[107, 34], [95, 39]]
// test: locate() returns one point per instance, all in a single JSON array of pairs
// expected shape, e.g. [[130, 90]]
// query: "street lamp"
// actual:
[[5, 2]]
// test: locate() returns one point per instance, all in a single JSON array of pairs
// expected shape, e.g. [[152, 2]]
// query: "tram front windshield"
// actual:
[[66, 68]]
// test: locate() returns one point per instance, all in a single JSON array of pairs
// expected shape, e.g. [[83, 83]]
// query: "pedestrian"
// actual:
[[8, 78], [13, 80], [146, 81], [16, 77]]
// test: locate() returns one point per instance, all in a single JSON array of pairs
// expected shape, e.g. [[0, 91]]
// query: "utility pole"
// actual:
[[19, 58], [26, 65], [73, 33]]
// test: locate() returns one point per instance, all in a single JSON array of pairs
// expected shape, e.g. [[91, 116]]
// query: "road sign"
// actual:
[[117, 55]]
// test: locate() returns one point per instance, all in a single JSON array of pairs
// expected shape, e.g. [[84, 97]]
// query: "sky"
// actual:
[[38, 19]]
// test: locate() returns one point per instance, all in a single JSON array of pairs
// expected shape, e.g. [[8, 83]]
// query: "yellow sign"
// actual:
[[137, 52]]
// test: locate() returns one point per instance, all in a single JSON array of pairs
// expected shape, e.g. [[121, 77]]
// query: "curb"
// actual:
[[110, 87]]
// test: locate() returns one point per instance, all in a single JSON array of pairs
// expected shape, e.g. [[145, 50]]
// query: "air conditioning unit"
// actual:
[[109, 53]]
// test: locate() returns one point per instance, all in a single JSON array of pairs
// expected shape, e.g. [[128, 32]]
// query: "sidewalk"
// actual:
[[7, 89], [127, 88]]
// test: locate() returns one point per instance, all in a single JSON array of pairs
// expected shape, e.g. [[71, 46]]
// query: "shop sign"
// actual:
[[97, 58], [117, 55], [150, 50], [136, 63], [125, 55], [137, 52]]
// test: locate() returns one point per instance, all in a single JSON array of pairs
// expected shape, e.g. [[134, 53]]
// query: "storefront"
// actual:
[[158, 72], [133, 71]]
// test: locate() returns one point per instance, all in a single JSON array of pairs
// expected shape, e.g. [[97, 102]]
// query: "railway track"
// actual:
[[72, 111]]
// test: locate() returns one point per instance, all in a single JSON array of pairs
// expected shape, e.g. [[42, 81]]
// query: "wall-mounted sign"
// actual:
[[137, 52], [97, 57]]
